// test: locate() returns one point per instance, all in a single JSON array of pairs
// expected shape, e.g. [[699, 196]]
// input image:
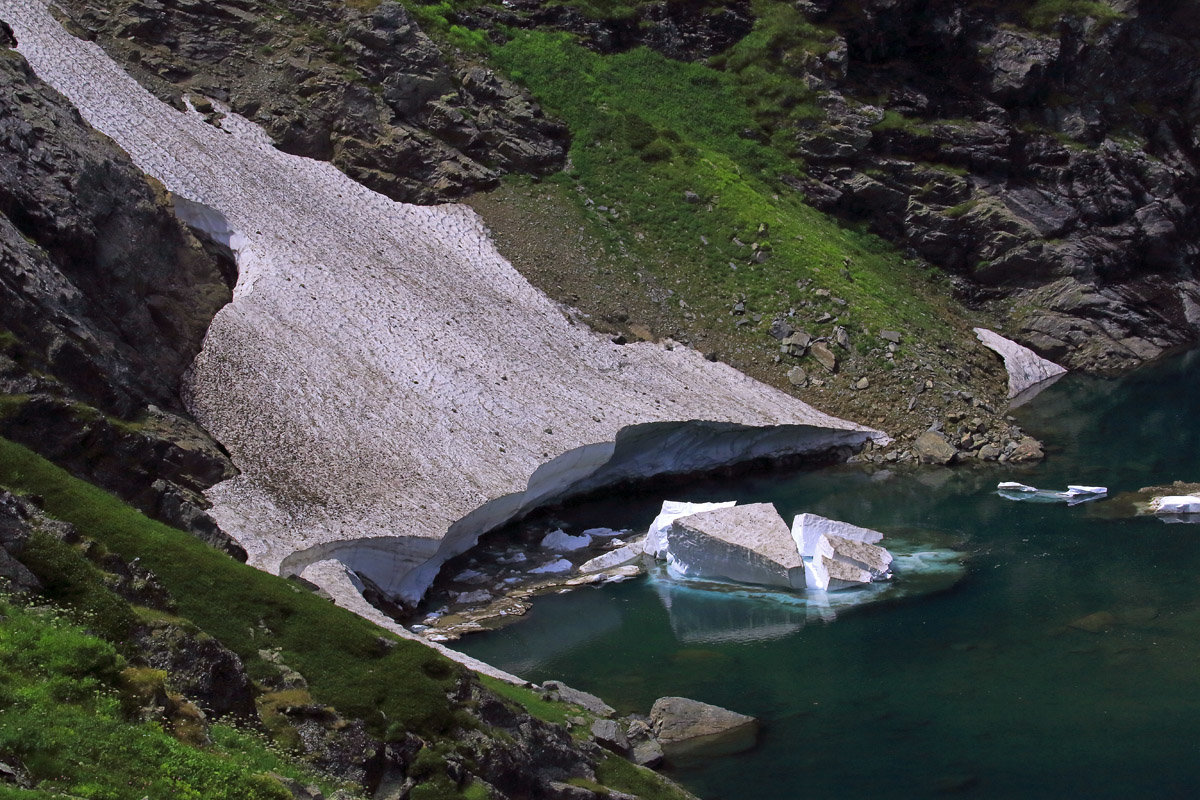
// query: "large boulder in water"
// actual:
[[682, 725], [748, 544]]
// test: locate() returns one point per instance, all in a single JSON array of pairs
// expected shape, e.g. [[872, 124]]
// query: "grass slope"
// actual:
[[670, 151], [390, 683]]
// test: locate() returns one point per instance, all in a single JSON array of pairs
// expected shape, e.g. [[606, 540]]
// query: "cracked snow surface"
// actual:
[[382, 372]]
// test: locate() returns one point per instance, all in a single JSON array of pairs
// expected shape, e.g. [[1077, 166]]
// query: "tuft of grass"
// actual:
[[1046, 14]]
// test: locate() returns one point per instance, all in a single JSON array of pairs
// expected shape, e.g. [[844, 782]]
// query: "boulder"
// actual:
[[559, 691], [608, 733], [748, 544], [655, 543], [807, 530], [681, 724], [931, 447], [821, 352], [1027, 449]]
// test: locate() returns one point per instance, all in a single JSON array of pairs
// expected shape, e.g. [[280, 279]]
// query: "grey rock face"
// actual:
[[107, 297], [370, 92]]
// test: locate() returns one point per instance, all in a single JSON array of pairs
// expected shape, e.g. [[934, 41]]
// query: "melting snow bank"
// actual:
[[1028, 373], [382, 370], [1074, 495]]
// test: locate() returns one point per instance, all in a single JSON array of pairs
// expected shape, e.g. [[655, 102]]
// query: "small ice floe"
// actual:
[[1074, 495], [1175, 504], [602, 533], [562, 542], [553, 568]]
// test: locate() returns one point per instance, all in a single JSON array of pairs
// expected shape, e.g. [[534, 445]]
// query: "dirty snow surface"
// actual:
[[383, 375]]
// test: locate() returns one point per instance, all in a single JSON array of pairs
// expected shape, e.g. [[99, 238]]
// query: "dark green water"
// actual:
[[983, 690]]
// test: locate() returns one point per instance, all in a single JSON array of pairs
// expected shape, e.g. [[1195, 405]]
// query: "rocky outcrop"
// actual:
[[357, 84], [104, 301], [1051, 161]]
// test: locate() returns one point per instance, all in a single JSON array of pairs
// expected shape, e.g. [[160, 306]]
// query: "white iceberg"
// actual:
[[807, 530], [562, 542], [656, 538], [747, 544]]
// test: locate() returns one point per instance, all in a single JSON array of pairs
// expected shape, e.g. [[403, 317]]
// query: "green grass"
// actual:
[[687, 136], [61, 717], [396, 687], [1045, 14]]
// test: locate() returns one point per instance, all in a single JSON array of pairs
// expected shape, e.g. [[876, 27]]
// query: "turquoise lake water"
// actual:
[[982, 690]]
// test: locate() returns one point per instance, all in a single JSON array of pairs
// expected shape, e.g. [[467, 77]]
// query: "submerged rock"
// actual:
[[749, 544]]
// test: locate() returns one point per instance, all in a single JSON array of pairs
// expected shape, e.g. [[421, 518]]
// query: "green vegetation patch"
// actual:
[[61, 718], [393, 684], [1045, 14], [687, 184]]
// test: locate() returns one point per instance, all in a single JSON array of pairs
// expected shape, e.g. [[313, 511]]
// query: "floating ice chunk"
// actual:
[[656, 538], [613, 558], [1176, 504], [562, 542], [555, 567], [807, 529], [839, 562], [1074, 495], [747, 544], [469, 576], [601, 533]]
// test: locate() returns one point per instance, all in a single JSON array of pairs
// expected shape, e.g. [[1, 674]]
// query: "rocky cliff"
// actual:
[[106, 299], [356, 84]]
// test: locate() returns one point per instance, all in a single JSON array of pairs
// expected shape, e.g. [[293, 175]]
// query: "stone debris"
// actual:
[[337, 380], [562, 542], [931, 447], [747, 544]]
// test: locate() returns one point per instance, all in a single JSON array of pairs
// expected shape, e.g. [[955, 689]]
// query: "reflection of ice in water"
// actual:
[[707, 611]]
